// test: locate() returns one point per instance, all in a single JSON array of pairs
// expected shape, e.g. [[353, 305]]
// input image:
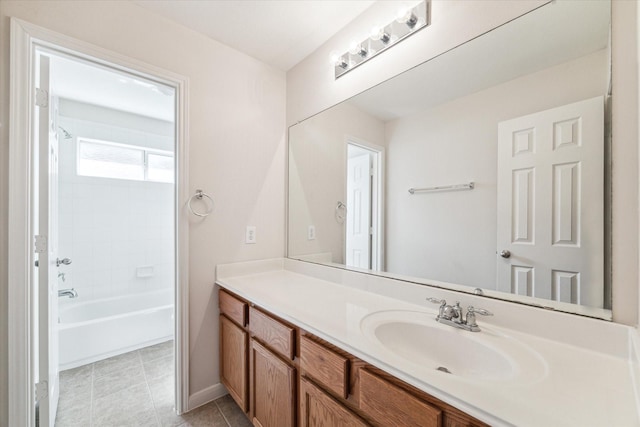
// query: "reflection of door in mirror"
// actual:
[[550, 193], [358, 233], [363, 231]]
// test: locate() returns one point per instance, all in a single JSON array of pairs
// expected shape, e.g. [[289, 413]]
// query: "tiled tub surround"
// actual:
[[135, 389], [590, 368], [119, 233]]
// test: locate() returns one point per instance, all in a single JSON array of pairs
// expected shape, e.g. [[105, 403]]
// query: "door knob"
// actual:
[[65, 261], [505, 253]]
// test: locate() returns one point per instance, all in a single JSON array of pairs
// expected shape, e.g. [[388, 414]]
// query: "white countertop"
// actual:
[[577, 387]]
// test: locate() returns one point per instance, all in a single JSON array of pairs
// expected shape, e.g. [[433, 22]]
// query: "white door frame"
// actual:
[[25, 39], [377, 203]]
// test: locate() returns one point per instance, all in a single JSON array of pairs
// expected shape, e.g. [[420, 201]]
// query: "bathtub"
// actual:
[[95, 330]]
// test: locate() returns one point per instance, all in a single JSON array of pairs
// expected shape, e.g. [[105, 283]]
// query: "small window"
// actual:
[[110, 160], [159, 167]]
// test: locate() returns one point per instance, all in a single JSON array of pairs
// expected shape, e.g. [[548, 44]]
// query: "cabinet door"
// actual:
[[272, 389], [233, 361], [318, 409]]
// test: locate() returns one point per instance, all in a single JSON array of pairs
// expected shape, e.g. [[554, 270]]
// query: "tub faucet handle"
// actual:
[[71, 293], [65, 261]]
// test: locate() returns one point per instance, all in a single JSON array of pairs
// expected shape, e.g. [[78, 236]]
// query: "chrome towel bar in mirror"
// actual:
[[469, 186]]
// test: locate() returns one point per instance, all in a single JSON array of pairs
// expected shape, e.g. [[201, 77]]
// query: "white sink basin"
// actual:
[[416, 338]]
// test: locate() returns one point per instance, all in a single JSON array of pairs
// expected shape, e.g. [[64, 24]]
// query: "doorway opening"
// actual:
[[74, 151], [106, 166], [363, 231]]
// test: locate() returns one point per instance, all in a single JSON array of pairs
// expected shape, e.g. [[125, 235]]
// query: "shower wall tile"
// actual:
[[110, 227]]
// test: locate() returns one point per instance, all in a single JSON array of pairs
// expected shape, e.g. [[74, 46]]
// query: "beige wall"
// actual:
[[624, 218], [317, 169], [311, 88], [237, 141]]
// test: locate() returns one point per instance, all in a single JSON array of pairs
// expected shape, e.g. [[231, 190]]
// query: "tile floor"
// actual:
[[135, 389]]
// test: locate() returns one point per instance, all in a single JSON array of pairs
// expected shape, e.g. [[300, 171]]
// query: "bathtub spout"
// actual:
[[71, 293]]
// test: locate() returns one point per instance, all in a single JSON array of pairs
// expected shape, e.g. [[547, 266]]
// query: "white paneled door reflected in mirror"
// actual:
[[521, 113]]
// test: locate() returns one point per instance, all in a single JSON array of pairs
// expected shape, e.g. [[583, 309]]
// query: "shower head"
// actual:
[[67, 135]]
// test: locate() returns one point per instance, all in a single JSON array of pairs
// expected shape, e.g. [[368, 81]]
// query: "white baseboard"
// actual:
[[207, 395]]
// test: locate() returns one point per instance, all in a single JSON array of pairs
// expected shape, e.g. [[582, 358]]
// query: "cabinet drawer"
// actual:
[[233, 308], [390, 405], [278, 336], [325, 366], [319, 409]]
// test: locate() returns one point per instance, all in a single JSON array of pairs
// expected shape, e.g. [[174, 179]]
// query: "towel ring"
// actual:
[[341, 212], [200, 195]]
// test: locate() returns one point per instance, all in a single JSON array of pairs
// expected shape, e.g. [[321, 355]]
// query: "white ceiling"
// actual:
[[109, 88], [278, 32]]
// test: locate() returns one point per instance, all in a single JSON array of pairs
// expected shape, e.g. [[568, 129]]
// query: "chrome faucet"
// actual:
[[453, 315], [71, 293]]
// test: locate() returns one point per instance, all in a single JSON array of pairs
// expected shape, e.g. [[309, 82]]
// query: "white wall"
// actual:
[[236, 108], [311, 88], [451, 236], [317, 169], [112, 227]]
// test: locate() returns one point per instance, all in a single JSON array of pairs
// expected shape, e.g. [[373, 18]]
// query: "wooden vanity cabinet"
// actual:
[[282, 376]]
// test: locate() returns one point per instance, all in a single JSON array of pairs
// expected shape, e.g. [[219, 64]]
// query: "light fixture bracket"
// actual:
[[418, 17]]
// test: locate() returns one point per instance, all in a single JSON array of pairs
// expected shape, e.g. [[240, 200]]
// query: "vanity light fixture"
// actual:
[[407, 22]]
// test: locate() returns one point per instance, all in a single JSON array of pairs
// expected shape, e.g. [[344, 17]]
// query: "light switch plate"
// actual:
[[250, 236]]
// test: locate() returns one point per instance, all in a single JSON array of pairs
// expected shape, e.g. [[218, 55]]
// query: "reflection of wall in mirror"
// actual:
[[317, 167], [451, 236]]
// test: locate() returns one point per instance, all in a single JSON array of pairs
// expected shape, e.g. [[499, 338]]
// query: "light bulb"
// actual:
[[338, 61], [401, 15], [406, 16], [354, 47], [357, 49], [378, 33]]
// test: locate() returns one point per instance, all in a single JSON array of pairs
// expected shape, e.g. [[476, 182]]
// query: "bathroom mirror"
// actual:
[[483, 170]]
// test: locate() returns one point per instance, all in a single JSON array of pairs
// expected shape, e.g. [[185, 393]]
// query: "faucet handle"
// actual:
[[481, 311], [441, 310], [471, 317]]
